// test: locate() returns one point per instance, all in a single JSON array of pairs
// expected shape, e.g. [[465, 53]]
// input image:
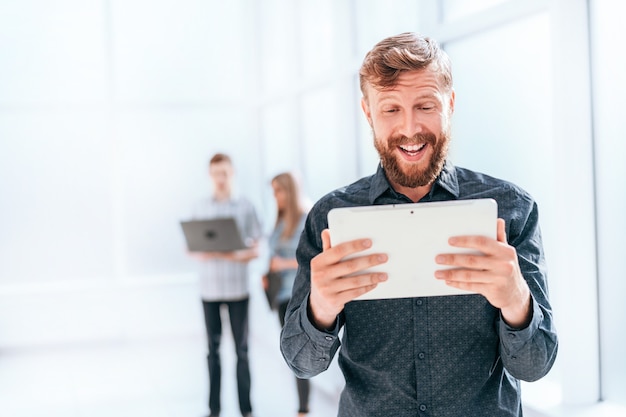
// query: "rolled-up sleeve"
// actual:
[[307, 350], [529, 353]]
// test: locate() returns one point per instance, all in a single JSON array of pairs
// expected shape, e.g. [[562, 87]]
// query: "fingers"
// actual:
[[501, 234], [477, 267], [462, 275], [325, 239], [483, 244], [489, 257], [338, 252], [341, 273], [355, 265], [471, 261], [491, 269], [343, 259], [360, 283], [340, 278]]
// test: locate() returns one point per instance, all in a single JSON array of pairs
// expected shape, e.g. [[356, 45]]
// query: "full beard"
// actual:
[[414, 176]]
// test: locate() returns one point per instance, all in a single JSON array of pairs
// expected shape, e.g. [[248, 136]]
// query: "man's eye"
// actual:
[[390, 110]]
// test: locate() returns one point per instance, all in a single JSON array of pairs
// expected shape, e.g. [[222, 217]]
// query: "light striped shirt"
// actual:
[[222, 280]]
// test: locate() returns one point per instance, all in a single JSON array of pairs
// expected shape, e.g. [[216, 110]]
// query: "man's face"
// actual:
[[221, 174], [411, 126]]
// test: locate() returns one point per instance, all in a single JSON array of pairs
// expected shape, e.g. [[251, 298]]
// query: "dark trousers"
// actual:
[[238, 315], [303, 385]]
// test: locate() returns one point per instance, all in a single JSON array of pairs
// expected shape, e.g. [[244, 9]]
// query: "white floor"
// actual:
[[161, 376], [164, 377]]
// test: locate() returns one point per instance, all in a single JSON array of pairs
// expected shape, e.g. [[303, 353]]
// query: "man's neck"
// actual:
[[415, 194]]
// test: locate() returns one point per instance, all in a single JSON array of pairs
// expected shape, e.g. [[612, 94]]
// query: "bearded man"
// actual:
[[446, 356]]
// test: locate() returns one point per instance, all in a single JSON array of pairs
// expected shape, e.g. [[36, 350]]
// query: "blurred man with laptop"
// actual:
[[224, 273]]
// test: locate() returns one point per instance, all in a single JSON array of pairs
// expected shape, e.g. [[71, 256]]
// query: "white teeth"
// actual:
[[412, 148]]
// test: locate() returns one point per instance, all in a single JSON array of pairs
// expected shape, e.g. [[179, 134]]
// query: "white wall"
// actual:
[[609, 82], [109, 112]]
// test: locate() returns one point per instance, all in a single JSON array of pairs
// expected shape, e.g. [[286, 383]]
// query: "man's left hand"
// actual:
[[494, 273]]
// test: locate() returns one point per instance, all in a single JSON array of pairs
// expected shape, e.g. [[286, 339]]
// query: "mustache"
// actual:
[[398, 140]]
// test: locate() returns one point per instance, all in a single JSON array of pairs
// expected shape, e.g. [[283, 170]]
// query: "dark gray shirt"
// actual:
[[449, 356]]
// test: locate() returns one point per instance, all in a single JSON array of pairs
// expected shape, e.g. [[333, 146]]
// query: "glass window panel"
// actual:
[[55, 182], [279, 57], [368, 158], [609, 67], [281, 141], [52, 51], [328, 157], [316, 37], [503, 102], [281, 148], [188, 50], [502, 124], [458, 9], [378, 19]]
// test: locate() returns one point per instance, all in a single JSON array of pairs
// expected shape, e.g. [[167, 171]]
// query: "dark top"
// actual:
[[450, 356]]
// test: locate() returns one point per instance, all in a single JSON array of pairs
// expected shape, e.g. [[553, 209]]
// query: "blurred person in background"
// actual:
[[224, 281], [290, 217]]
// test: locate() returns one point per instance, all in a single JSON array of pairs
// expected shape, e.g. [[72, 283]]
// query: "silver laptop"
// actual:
[[213, 235]]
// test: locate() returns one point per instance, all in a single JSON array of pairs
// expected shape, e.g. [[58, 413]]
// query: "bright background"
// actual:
[[109, 111]]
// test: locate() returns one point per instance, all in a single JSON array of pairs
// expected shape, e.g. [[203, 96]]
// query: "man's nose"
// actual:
[[411, 124]]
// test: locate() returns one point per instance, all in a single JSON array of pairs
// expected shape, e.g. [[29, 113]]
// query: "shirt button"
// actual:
[[423, 407], [511, 335], [329, 338], [421, 355], [419, 302]]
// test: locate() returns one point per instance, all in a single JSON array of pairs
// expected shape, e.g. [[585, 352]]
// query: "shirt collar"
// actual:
[[379, 185], [447, 180]]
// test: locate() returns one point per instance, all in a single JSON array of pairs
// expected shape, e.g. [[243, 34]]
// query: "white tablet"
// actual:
[[412, 235]]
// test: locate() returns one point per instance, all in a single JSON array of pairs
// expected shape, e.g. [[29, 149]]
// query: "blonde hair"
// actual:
[[294, 207]]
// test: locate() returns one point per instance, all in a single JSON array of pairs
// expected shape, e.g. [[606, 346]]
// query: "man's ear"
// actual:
[[452, 100], [366, 110]]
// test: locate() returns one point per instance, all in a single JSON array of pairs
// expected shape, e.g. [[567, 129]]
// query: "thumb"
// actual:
[[325, 239], [501, 233]]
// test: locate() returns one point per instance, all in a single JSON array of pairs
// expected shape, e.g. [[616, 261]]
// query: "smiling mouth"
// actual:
[[412, 150]]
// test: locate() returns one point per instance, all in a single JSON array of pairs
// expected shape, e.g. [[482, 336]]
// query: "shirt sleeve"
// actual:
[[252, 225], [307, 350], [529, 353]]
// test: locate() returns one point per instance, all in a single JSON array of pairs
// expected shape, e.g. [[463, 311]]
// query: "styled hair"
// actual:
[[219, 157], [407, 51], [294, 207]]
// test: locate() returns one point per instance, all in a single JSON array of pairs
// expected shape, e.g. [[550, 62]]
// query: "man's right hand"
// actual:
[[331, 287]]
